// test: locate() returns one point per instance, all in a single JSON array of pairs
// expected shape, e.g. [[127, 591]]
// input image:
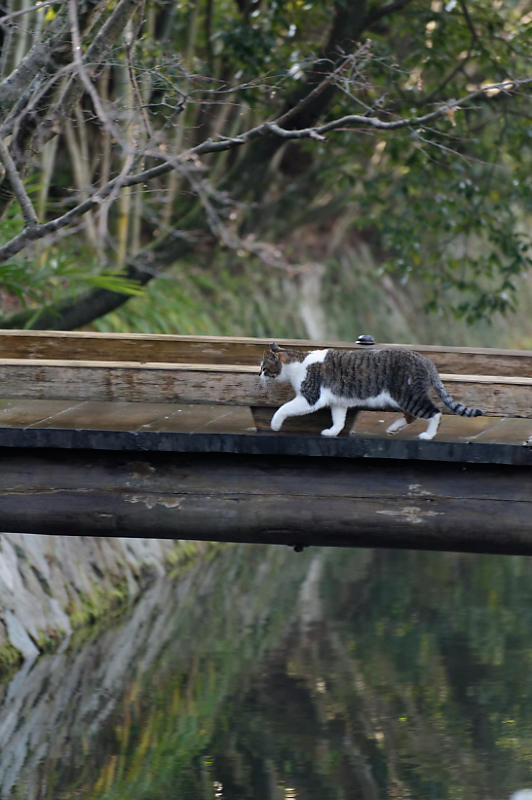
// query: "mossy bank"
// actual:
[[51, 586]]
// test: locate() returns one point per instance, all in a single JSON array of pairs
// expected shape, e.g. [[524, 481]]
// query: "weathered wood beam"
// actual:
[[276, 500], [88, 345], [215, 383]]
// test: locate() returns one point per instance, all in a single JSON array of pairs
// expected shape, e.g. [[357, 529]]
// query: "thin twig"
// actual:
[[83, 74], [319, 89], [130, 47], [99, 47], [28, 212], [37, 7]]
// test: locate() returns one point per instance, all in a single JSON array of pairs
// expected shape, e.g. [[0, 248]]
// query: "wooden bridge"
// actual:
[[168, 436]]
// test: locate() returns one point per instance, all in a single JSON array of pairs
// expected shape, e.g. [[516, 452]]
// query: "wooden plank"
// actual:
[[452, 427], [308, 423], [38, 363], [495, 396], [507, 431], [88, 345], [133, 382], [350, 503], [160, 382], [116, 416], [204, 418], [172, 417], [97, 415], [22, 413]]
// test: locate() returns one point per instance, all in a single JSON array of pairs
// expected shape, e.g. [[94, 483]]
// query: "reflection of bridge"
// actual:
[[167, 436]]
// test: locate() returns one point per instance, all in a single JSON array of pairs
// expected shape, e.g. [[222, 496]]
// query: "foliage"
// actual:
[[443, 201], [233, 300], [39, 280]]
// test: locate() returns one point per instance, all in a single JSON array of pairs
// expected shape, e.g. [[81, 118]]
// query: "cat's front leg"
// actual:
[[294, 408], [338, 414]]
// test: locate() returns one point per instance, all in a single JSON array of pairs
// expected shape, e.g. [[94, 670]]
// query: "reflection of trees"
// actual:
[[330, 674], [412, 684]]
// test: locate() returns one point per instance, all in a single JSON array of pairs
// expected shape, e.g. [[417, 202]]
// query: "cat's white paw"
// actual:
[[330, 432], [396, 426], [426, 435], [276, 423]]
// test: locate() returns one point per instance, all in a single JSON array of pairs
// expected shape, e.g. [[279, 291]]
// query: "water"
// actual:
[[262, 673]]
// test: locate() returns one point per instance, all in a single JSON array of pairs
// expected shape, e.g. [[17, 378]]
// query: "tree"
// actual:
[[136, 134]]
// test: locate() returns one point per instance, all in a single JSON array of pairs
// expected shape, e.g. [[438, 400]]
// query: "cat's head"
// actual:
[[272, 362]]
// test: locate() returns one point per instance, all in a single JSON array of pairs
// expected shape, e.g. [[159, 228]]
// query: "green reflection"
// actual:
[[327, 674]]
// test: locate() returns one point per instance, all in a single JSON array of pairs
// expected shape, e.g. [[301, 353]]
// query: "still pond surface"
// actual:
[[266, 674]]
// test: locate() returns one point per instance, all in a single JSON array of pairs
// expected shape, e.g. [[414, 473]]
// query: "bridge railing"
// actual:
[[241, 351], [222, 370]]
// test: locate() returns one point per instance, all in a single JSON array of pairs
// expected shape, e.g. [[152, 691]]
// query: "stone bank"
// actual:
[[51, 585]]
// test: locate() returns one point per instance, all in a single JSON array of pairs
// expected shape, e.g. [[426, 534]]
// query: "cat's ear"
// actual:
[[278, 353]]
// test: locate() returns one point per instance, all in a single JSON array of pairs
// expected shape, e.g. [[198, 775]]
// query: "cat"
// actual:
[[380, 378]]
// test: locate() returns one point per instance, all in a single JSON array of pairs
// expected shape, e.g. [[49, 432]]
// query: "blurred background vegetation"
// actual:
[[415, 234]]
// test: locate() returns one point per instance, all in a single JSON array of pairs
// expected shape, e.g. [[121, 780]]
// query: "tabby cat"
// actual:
[[380, 378]]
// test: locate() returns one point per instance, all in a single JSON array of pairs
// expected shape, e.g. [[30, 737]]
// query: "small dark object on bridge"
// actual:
[[298, 548], [365, 338]]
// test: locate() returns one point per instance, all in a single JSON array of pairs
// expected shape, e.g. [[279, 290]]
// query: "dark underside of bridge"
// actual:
[[205, 473]]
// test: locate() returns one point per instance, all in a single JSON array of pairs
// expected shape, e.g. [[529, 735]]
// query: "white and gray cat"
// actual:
[[380, 378]]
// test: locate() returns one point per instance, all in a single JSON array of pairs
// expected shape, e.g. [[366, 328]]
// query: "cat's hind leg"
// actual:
[[338, 414], [294, 408], [400, 423], [423, 408], [432, 427]]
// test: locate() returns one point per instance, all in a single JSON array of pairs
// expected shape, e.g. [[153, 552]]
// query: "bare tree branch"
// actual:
[[28, 212], [351, 121], [79, 64], [34, 80], [96, 52], [329, 80], [37, 7], [19, 82], [79, 80]]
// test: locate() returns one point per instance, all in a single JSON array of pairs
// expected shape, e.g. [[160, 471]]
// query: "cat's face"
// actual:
[[271, 365]]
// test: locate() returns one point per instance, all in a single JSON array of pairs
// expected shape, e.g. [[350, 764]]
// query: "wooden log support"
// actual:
[[276, 500]]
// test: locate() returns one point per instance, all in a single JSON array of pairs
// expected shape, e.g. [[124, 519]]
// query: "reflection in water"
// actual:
[[326, 675]]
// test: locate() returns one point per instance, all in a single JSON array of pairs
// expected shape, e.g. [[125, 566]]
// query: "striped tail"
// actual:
[[456, 408]]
